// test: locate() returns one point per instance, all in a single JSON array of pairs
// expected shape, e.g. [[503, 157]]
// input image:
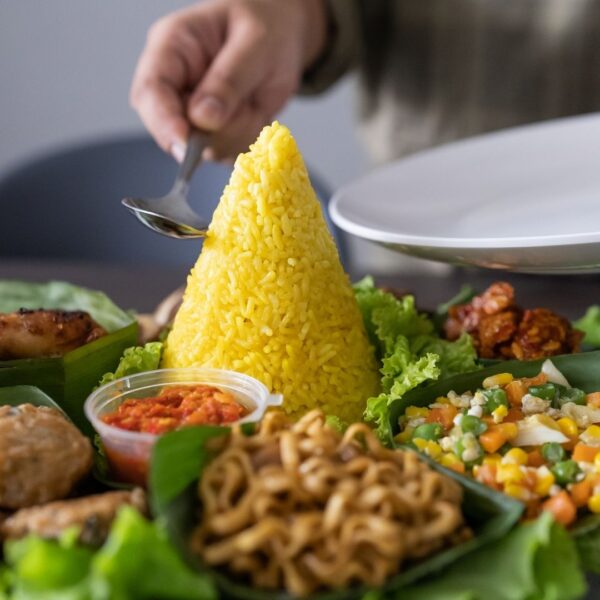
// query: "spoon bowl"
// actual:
[[171, 215]]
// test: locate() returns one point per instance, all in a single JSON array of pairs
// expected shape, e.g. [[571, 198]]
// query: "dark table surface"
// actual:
[[143, 287]]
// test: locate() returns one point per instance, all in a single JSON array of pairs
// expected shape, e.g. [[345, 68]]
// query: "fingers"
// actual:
[[233, 76], [174, 59]]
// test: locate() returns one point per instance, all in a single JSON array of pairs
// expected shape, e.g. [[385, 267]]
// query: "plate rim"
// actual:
[[471, 243]]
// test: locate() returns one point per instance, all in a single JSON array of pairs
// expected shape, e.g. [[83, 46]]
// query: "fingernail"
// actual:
[[178, 151], [208, 112]]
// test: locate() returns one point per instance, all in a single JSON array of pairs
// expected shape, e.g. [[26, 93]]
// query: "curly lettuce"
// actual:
[[136, 359], [408, 347]]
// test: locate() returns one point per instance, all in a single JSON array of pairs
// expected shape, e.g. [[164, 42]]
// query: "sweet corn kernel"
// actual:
[[420, 443], [568, 426], [509, 474], [442, 400], [476, 469], [416, 412], [515, 456], [543, 483], [404, 436], [592, 431], [594, 503], [449, 459], [597, 462], [494, 380], [433, 449], [499, 414], [519, 492], [547, 421], [492, 459]]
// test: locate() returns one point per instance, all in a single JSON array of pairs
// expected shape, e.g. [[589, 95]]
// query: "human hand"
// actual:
[[224, 66]]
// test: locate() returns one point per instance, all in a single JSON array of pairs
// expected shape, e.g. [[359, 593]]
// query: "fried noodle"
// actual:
[[301, 507]]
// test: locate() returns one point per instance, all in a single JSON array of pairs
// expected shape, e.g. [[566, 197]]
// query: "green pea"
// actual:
[[573, 395], [565, 472], [494, 398], [428, 431], [553, 452], [472, 424], [546, 391]]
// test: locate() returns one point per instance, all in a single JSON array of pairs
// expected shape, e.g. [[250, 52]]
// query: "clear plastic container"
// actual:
[[128, 452]]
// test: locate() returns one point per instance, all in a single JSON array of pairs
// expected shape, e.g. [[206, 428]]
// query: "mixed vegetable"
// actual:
[[535, 439]]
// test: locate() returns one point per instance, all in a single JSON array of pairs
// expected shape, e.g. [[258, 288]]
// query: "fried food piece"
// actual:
[[93, 515], [501, 329], [42, 456], [36, 333], [543, 333]]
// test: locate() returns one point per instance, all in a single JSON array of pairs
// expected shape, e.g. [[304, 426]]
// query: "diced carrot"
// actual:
[[443, 415], [487, 474], [459, 467], [562, 508], [593, 399], [581, 492], [514, 415], [535, 458], [515, 391], [584, 453], [493, 439], [539, 379]]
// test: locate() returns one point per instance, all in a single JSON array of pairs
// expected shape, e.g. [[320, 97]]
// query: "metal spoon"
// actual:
[[172, 215]]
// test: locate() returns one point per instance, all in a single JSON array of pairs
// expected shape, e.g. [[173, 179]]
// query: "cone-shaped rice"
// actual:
[[268, 295]]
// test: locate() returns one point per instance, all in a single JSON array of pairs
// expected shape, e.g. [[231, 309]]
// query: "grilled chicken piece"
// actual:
[[93, 515], [37, 333]]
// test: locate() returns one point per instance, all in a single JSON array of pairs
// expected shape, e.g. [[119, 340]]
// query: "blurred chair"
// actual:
[[67, 204]]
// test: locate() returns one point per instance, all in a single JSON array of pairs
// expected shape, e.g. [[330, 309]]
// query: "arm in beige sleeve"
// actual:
[[342, 48]]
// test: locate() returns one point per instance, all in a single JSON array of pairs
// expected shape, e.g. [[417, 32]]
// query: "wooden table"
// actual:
[[142, 288]]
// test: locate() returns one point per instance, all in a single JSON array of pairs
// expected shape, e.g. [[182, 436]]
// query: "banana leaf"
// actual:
[[581, 370], [177, 463], [26, 394], [70, 378]]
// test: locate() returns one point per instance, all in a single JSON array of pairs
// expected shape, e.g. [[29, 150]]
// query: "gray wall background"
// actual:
[[65, 70]]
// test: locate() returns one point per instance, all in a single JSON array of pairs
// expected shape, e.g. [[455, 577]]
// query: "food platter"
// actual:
[[522, 199], [252, 479]]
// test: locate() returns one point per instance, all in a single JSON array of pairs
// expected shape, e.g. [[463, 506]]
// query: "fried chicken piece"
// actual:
[[499, 328], [495, 333], [93, 515], [37, 333], [543, 333], [42, 456]]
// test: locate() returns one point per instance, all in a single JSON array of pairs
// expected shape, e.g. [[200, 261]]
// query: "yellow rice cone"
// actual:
[[268, 295]]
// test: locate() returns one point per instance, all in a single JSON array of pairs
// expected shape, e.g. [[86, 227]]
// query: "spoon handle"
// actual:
[[197, 142]]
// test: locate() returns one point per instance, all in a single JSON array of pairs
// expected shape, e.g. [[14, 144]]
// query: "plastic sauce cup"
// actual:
[[128, 452]]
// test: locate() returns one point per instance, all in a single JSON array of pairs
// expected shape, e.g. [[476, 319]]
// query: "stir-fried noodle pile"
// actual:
[[301, 507]]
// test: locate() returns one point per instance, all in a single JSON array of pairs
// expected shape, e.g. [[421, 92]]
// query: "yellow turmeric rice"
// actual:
[[268, 295]]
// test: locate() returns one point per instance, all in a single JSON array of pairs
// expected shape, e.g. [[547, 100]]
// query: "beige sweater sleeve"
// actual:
[[342, 48]]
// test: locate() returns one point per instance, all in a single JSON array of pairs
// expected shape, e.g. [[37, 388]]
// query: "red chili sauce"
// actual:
[[176, 407]]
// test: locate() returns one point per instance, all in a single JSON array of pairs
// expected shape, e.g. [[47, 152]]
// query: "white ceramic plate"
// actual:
[[524, 199]]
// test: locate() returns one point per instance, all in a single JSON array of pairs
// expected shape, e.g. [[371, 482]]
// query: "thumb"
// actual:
[[234, 74]]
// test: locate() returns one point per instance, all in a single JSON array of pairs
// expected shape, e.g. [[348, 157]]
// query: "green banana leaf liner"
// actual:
[[26, 394], [180, 457], [581, 370], [70, 378]]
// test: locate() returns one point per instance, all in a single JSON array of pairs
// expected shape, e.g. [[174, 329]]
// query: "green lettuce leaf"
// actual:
[[408, 347], [536, 561], [136, 360], [136, 562], [590, 325]]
